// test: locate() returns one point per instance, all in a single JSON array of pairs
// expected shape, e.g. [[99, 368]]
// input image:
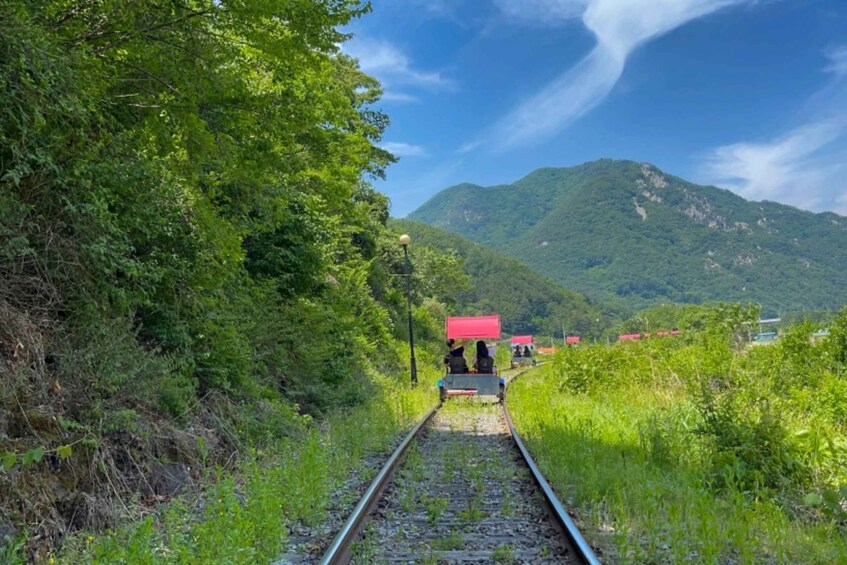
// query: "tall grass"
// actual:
[[243, 517], [692, 451]]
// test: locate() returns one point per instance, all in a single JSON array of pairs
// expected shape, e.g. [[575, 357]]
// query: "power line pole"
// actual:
[[404, 242]]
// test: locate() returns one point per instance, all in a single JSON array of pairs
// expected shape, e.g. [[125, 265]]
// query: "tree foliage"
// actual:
[[186, 226], [161, 160]]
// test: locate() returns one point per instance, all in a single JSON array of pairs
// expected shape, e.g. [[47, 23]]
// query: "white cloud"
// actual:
[[837, 61], [467, 147], [802, 167], [620, 26], [441, 8], [805, 166], [393, 68], [392, 96], [401, 149], [390, 64]]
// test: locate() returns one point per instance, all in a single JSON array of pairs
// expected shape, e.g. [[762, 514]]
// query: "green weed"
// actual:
[[504, 554], [451, 543], [435, 507], [700, 451]]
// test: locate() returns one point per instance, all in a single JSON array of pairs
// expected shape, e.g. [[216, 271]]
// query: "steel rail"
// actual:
[[556, 506], [340, 551]]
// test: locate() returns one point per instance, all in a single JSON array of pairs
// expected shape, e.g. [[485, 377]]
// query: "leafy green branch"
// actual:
[[9, 459]]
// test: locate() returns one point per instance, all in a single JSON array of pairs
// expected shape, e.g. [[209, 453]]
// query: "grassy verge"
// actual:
[[649, 484], [242, 517]]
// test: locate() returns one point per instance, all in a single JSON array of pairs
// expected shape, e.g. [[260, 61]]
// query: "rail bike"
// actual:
[[523, 351], [459, 380]]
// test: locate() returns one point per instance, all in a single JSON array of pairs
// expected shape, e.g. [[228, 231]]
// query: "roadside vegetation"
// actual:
[[244, 516], [699, 448], [197, 284]]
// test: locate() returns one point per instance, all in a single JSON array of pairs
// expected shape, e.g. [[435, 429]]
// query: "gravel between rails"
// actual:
[[463, 495]]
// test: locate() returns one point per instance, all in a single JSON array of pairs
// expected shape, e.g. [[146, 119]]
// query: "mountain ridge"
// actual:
[[627, 231]]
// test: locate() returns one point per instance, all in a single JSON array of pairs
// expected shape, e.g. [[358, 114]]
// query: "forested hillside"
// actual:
[[526, 301], [192, 259], [619, 230]]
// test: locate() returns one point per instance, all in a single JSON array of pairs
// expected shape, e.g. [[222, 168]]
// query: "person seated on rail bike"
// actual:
[[455, 361], [526, 351], [483, 362], [517, 351]]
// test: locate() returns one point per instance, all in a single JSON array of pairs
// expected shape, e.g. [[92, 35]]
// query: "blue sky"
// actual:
[[750, 95]]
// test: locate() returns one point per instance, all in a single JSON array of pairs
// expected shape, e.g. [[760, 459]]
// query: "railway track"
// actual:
[[461, 488]]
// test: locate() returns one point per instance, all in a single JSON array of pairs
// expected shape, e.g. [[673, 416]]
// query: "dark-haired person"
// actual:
[[455, 358], [483, 362]]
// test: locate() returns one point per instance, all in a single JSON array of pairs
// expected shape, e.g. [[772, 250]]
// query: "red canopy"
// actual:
[[628, 337], [572, 339], [473, 327], [521, 339], [672, 332]]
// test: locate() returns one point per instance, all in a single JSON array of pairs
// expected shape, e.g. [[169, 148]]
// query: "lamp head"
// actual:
[[405, 240]]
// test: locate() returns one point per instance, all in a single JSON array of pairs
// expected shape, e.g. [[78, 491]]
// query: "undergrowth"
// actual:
[[699, 449], [242, 517]]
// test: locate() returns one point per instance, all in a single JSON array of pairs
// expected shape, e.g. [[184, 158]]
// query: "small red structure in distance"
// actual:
[[631, 337], [521, 339], [572, 339], [672, 332]]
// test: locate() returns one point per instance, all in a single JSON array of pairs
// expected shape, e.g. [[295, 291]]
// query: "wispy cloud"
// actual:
[[805, 166], [619, 27], [401, 149], [467, 147], [793, 168], [392, 96], [440, 8], [393, 68], [837, 61]]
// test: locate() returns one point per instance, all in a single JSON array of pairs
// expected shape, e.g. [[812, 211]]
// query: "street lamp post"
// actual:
[[404, 242]]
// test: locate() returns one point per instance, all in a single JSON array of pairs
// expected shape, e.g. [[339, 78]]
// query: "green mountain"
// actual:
[[626, 231], [526, 301]]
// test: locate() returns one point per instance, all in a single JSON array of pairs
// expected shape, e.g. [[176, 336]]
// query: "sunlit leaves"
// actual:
[[9, 460], [170, 140]]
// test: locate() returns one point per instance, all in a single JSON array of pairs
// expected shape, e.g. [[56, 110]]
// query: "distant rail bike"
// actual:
[[523, 351]]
